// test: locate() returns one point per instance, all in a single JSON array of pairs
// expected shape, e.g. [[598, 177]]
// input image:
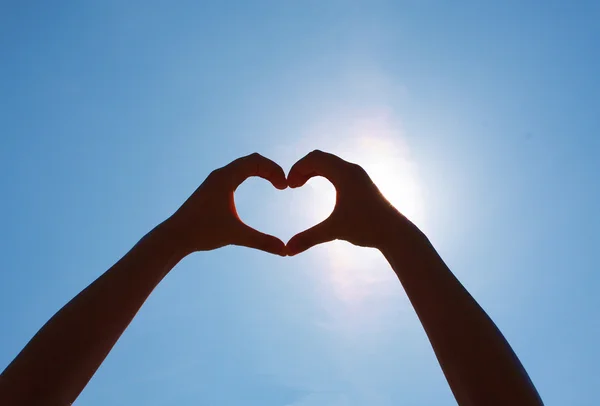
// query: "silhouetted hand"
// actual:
[[208, 219], [361, 215]]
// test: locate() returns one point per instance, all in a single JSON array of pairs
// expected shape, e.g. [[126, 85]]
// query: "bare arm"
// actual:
[[62, 357], [479, 364]]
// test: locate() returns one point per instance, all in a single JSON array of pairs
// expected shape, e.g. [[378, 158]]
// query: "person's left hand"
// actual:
[[208, 219]]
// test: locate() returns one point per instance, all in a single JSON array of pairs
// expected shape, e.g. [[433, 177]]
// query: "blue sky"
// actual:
[[478, 119]]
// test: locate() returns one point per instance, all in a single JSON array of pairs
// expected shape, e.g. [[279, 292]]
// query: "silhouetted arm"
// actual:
[[478, 362], [62, 357]]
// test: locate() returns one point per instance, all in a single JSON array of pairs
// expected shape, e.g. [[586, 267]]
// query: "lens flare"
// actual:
[[379, 148]]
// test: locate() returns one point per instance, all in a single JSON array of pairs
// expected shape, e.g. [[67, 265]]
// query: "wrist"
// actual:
[[170, 240], [400, 235]]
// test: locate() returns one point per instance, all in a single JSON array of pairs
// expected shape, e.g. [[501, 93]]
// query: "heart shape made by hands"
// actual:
[[284, 213]]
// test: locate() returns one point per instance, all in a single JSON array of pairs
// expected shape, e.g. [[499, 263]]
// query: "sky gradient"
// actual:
[[479, 120]]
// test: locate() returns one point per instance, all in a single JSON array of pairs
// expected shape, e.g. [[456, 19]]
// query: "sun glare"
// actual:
[[382, 153]]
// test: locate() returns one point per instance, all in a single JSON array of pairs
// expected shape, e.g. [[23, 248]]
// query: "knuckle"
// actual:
[[357, 167], [217, 175], [353, 172]]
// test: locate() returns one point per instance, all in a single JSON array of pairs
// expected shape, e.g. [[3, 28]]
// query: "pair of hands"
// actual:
[[208, 219]]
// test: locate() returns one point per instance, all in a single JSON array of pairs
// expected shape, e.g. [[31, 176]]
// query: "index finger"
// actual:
[[255, 165], [316, 163]]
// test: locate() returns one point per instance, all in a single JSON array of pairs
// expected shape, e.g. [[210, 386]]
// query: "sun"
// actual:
[[374, 140], [391, 169], [357, 272]]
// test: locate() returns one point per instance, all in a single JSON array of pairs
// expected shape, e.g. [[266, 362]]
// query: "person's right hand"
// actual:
[[362, 216], [208, 219]]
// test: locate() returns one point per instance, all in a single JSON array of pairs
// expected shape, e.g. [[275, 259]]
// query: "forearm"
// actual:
[[62, 357], [478, 362]]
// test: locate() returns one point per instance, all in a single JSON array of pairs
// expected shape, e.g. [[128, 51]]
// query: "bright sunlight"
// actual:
[[376, 146]]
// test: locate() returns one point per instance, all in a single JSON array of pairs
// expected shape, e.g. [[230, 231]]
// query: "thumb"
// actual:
[[249, 237], [318, 234]]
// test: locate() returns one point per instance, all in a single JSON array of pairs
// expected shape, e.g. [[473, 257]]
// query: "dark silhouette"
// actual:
[[479, 364]]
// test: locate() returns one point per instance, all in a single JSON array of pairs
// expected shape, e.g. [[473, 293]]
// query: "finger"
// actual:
[[255, 165], [318, 234], [316, 163], [247, 236]]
